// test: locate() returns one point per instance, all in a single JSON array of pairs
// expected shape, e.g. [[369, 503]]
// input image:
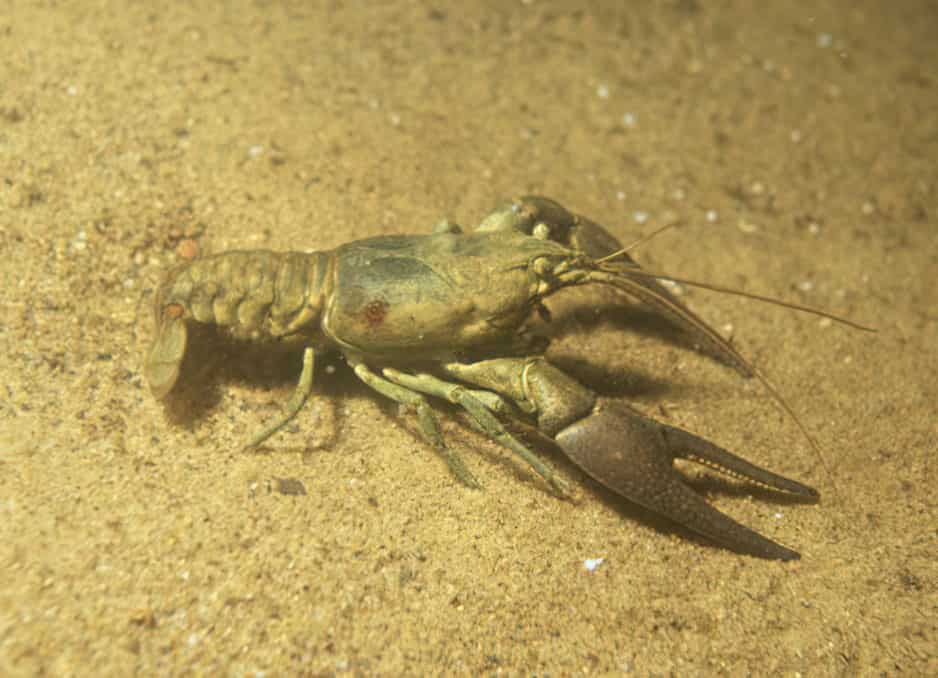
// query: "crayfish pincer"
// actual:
[[444, 316]]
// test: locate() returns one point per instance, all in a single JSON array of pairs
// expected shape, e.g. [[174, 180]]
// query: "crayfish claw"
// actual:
[[633, 456]]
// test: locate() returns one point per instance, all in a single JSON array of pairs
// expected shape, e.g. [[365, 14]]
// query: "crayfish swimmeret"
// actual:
[[444, 315]]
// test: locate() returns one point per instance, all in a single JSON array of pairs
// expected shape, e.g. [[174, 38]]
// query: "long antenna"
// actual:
[[644, 273]]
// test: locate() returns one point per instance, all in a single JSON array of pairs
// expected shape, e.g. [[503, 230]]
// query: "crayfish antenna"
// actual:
[[636, 270], [645, 273]]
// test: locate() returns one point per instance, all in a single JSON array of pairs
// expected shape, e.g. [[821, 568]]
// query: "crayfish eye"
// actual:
[[541, 231]]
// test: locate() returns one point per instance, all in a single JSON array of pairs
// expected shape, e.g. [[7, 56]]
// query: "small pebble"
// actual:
[[592, 563], [291, 487], [188, 249]]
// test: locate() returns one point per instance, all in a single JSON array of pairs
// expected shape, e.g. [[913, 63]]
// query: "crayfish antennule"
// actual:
[[636, 243]]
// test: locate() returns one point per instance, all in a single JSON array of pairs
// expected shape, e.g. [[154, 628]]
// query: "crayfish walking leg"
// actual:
[[426, 420], [478, 404]]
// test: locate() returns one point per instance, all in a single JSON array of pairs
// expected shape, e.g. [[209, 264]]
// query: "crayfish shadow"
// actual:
[[571, 316], [214, 360], [197, 389], [615, 382]]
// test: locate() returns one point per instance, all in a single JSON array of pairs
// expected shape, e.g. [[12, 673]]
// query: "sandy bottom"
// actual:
[[795, 149]]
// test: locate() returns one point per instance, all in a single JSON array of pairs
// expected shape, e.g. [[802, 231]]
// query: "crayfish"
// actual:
[[443, 315]]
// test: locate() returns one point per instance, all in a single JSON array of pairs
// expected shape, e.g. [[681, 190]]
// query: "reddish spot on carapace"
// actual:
[[375, 311], [174, 311]]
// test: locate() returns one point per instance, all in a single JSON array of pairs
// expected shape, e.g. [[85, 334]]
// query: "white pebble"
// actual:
[[629, 120], [639, 216], [712, 216], [806, 286], [592, 563], [602, 92], [825, 40], [255, 151]]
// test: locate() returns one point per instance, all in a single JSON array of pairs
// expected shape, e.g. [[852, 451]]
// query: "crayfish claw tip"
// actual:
[[633, 456]]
